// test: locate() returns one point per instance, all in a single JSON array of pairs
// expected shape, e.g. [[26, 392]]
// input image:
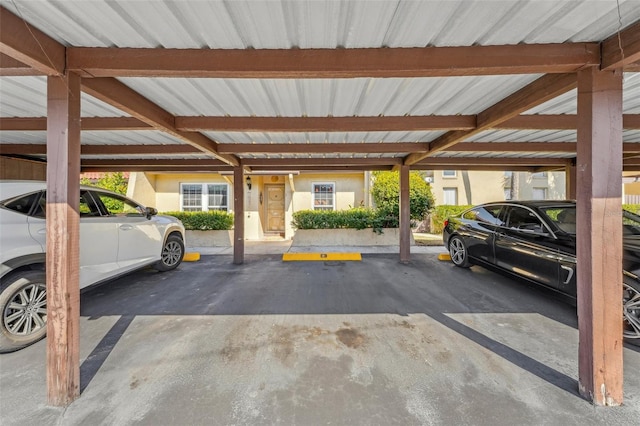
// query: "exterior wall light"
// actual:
[[248, 181]]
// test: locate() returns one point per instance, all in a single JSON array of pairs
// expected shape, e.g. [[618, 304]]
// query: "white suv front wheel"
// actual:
[[23, 301]]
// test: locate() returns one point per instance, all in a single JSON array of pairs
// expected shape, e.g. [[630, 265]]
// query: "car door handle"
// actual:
[[42, 231], [570, 271], [126, 227]]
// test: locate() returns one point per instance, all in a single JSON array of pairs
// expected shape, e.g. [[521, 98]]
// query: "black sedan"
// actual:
[[536, 241]]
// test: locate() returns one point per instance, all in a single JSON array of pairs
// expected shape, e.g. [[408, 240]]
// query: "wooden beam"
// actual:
[[169, 162], [334, 63], [471, 166], [317, 124], [294, 162], [558, 121], [27, 44], [10, 67], [325, 168], [63, 239], [514, 147], [120, 149], [87, 123], [453, 162], [302, 148], [599, 236], [113, 92], [540, 91], [621, 49], [327, 124], [158, 169]]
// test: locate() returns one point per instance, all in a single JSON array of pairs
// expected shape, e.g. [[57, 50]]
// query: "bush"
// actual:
[[386, 189], [633, 208], [357, 218], [214, 220], [441, 213]]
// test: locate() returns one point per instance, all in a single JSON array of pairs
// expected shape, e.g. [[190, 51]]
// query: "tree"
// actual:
[[386, 190], [115, 182]]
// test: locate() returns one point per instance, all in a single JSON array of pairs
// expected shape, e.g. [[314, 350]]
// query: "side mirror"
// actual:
[[150, 211]]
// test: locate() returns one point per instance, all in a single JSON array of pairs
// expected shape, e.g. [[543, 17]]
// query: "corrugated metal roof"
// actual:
[[27, 97], [328, 97], [329, 24], [284, 24]]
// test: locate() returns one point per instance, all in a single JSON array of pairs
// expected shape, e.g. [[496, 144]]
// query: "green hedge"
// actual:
[[633, 208], [214, 220], [441, 213], [357, 218]]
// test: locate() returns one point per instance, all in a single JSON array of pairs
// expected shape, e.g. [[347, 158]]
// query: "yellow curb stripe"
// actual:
[[191, 257], [301, 257], [444, 256]]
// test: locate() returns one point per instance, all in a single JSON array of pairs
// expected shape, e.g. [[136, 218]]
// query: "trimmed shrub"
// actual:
[[441, 213], [357, 218], [214, 220]]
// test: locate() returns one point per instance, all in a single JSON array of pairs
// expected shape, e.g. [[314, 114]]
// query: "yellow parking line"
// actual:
[[301, 257]]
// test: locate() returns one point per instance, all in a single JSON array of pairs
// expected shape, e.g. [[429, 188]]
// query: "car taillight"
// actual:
[[446, 223]]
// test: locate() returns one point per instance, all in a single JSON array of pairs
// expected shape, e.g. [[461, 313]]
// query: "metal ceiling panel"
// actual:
[[284, 24], [321, 137], [323, 97], [525, 136], [27, 97], [94, 137]]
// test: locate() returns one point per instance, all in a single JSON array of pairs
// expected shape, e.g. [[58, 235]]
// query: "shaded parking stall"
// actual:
[[371, 342]]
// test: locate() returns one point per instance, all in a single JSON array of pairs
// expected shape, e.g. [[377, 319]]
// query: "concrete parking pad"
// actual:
[[374, 342]]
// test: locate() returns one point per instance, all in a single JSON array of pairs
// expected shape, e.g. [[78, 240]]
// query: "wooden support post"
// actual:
[[63, 239], [599, 235], [238, 215], [405, 216], [570, 181]]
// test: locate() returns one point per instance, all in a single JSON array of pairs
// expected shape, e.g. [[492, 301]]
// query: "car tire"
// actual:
[[458, 252], [631, 311], [23, 303], [172, 254]]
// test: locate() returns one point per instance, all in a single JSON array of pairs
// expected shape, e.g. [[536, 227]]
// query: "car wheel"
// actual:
[[172, 254], [23, 300], [458, 252], [631, 311]]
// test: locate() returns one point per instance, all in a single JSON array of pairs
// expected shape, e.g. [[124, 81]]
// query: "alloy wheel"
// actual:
[[26, 312], [171, 253]]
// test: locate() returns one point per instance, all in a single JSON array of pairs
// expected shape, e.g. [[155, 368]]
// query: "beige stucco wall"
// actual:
[[481, 187], [554, 182], [349, 189]]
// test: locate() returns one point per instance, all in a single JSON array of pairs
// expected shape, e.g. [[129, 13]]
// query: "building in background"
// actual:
[[461, 187]]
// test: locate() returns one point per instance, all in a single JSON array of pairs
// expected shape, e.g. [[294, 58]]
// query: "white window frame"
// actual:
[[444, 192], [204, 201], [313, 196], [449, 174]]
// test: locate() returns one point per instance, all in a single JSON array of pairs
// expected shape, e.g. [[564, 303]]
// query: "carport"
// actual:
[[248, 87]]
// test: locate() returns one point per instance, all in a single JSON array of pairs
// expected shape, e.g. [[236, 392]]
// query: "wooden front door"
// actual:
[[275, 207]]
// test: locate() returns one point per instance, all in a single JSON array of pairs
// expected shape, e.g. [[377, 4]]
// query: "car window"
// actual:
[[524, 219], [23, 204], [563, 217], [87, 206], [120, 206], [488, 214]]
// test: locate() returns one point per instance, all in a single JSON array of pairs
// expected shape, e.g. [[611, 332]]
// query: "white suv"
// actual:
[[117, 235]]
